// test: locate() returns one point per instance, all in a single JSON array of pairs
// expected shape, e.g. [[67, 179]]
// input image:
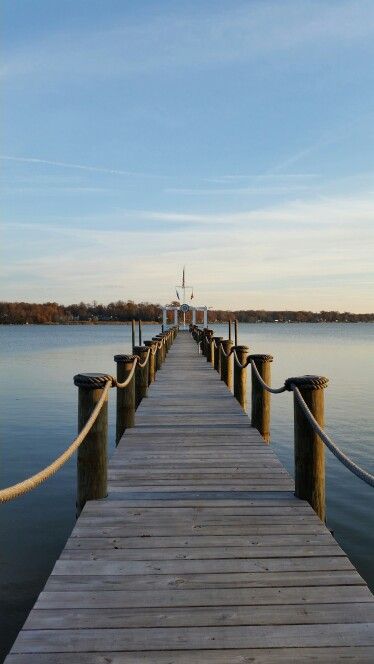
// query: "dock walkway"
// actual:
[[201, 553]]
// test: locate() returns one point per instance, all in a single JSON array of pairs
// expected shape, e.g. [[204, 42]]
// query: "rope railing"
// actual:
[[272, 390], [227, 355], [102, 382], [336, 451], [238, 363], [126, 382], [32, 482], [141, 365], [311, 382], [343, 458]]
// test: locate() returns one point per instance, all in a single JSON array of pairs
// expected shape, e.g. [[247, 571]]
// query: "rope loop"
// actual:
[[126, 382], [306, 382], [141, 365], [238, 363], [231, 351], [272, 390]]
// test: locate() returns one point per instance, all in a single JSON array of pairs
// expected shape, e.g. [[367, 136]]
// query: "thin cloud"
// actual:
[[233, 191], [328, 138], [184, 39], [225, 179], [81, 167]]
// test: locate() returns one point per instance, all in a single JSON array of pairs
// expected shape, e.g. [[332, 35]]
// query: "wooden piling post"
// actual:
[[160, 338], [152, 361], [208, 345], [125, 414], [211, 350], [158, 355], [309, 449], [133, 342], [240, 376], [235, 332], [230, 329], [203, 343], [92, 456], [227, 363], [166, 349], [163, 348], [140, 332], [217, 355], [167, 341], [260, 415], [141, 375]]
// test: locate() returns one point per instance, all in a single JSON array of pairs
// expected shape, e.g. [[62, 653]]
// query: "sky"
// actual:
[[235, 138]]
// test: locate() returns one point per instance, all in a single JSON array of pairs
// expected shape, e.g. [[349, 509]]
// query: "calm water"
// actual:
[[39, 402]]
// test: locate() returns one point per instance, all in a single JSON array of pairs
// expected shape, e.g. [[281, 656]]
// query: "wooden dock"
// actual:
[[201, 553]]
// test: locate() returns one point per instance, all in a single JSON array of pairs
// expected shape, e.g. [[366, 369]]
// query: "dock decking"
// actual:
[[201, 553]]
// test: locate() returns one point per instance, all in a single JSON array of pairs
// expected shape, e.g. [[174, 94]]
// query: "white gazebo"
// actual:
[[183, 308]]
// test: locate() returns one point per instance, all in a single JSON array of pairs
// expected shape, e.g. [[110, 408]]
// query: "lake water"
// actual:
[[39, 413]]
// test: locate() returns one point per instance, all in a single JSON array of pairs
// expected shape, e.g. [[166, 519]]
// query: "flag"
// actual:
[[183, 278], [177, 294]]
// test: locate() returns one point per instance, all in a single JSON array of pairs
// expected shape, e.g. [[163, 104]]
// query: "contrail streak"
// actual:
[[81, 167]]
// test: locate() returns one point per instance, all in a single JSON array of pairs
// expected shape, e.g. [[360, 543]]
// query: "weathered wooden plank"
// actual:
[[203, 616], [210, 597], [227, 505], [183, 566], [195, 485], [274, 636], [186, 543], [163, 531], [330, 655], [195, 521], [88, 552], [202, 582]]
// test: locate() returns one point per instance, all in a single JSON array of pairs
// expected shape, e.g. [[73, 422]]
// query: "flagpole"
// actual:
[[184, 287], [184, 296]]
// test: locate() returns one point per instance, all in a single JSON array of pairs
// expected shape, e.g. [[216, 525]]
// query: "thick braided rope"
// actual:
[[229, 353], [129, 377], [141, 365], [32, 482], [273, 390], [346, 461], [238, 363]]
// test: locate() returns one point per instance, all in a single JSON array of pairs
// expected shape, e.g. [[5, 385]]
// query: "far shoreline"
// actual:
[[147, 322]]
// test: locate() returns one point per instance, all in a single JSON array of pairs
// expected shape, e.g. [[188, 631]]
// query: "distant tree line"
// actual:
[[51, 312], [261, 316]]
